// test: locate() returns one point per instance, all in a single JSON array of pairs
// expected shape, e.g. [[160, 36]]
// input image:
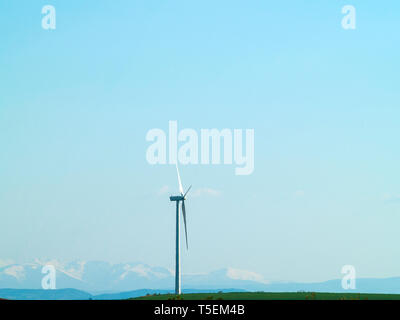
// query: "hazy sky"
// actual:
[[76, 104]]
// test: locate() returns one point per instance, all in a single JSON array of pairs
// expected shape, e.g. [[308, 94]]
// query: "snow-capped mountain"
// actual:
[[99, 276]]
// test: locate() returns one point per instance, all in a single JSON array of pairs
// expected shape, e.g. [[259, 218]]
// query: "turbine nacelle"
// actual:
[[177, 198]]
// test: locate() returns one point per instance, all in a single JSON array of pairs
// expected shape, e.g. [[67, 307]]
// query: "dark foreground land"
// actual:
[[272, 296]]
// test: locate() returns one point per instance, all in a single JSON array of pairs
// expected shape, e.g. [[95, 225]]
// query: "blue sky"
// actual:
[[76, 104]]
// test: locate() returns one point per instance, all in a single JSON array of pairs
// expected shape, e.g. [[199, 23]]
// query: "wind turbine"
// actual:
[[177, 199]]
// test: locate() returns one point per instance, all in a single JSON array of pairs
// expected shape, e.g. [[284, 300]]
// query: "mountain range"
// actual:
[[97, 277], [103, 280]]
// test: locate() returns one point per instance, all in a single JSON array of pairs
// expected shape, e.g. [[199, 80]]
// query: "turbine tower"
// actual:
[[181, 198]]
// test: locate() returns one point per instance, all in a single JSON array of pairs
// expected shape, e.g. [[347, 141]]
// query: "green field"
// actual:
[[273, 296]]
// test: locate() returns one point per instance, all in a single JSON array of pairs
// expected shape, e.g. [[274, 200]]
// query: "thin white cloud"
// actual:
[[206, 192], [391, 197], [199, 192], [163, 190], [16, 271], [299, 193], [238, 274], [6, 262]]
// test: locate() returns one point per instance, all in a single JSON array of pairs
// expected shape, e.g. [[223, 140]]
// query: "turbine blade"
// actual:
[[187, 191], [179, 180], [184, 221]]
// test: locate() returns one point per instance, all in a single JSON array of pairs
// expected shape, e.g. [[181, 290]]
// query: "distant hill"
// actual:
[[73, 294], [289, 290], [275, 296], [38, 294], [366, 285], [144, 292]]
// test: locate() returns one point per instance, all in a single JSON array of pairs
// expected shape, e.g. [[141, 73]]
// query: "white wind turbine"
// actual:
[[177, 199]]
